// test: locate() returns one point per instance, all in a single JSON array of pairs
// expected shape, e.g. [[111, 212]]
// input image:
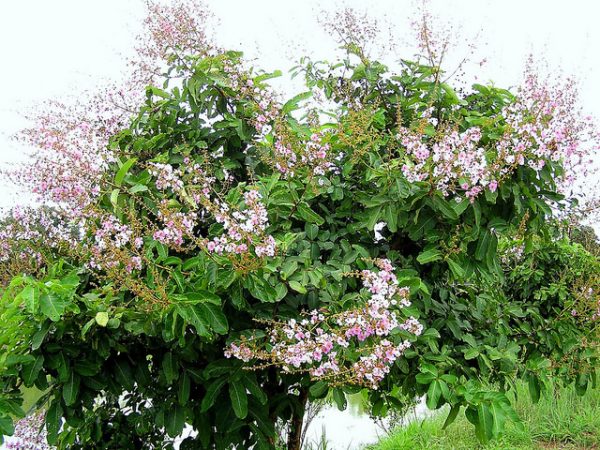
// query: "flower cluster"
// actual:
[[545, 124], [189, 182], [263, 100], [24, 226], [70, 137], [315, 154], [70, 141], [540, 126], [320, 342], [454, 161], [112, 245], [171, 31], [167, 177], [243, 228], [28, 234], [286, 154], [29, 434], [176, 226]]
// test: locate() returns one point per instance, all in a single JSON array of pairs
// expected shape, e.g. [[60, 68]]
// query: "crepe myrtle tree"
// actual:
[[226, 256]]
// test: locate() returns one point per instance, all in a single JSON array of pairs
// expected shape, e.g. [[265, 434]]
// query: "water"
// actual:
[[352, 429]]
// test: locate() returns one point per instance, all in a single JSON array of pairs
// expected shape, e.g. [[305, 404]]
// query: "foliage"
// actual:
[[561, 419], [587, 237], [221, 213]]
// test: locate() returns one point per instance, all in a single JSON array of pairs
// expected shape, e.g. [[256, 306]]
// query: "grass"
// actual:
[[561, 420]]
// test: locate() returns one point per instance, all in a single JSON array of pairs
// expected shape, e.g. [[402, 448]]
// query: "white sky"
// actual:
[[51, 48]]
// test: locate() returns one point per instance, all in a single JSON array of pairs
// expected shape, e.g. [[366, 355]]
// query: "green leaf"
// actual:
[[7, 427], [169, 368], [433, 394], [89, 324], [485, 424], [183, 393], [38, 338], [53, 307], [221, 367], [14, 359], [373, 216], [425, 378], [433, 254], [87, 368], [174, 420], [449, 378], [31, 299], [309, 215], [454, 410], [319, 389], [123, 171], [102, 318], [267, 76], [429, 368], [114, 197], [534, 388], [212, 393], [288, 269], [261, 289], [32, 370], [483, 245], [11, 407], [204, 428], [62, 366], [340, 399], [443, 206], [451, 94], [297, 287], [512, 414], [263, 421], [193, 315], [490, 196], [198, 296], [239, 399], [53, 421], [391, 217], [423, 224], [461, 206], [292, 104], [138, 188], [254, 389], [312, 231], [457, 270], [471, 353], [123, 374], [498, 418], [215, 317], [70, 389]]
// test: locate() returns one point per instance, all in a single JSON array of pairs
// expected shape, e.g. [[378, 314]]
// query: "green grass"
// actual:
[[561, 420]]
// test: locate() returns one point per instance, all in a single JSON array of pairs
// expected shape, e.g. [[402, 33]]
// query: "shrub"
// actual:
[[236, 256]]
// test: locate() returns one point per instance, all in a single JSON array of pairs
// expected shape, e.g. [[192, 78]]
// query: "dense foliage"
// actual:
[[235, 256]]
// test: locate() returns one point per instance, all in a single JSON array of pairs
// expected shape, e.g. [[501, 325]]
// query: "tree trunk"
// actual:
[[295, 431]]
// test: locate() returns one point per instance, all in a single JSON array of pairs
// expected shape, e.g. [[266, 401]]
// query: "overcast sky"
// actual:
[[53, 48]]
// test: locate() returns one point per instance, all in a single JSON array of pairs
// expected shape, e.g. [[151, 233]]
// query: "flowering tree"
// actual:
[[216, 256]]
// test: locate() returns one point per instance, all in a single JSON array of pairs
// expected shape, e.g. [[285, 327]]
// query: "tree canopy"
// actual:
[[220, 256]]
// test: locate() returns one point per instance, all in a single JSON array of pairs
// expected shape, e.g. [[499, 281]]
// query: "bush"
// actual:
[[228, 267]]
